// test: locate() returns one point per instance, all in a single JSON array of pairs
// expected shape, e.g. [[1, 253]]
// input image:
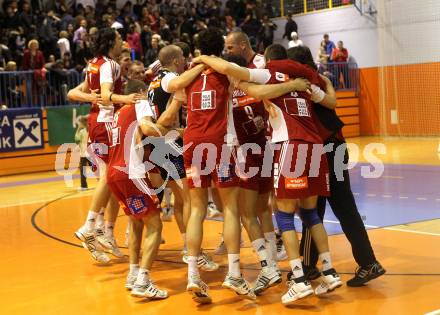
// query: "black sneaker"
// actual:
[[365, 274], [310, 273]]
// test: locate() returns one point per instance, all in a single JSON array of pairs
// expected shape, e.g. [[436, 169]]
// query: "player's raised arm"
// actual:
[[269, 91], [183, 80], [224, 67], [168, 117]]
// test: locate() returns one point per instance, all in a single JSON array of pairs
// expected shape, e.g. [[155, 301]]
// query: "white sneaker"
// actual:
[[205, 262], [199, 290], [213, 211], [131, 279], [110, 246], [296, 291], [167, 215], [330, 280], [239, 285], [221, 249], [268, 277], [148, 290], [281, 250], [90, 243]]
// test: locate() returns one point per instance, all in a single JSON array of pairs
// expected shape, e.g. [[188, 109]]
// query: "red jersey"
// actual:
[[250, 117], [103, 70], [208, 108], [295, 119], [125, 160]]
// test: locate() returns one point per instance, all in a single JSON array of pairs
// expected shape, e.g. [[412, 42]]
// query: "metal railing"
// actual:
[[37, 88], [343, 75], [282, 7]]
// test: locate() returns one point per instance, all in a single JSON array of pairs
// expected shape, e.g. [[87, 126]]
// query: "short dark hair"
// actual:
[[275, 52], [185, 48], [239, 60], [211, 42], [134, 86], [301, 54], [105, 40]]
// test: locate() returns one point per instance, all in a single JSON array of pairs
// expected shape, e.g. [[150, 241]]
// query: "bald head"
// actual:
[[171, 57], [237, 44]]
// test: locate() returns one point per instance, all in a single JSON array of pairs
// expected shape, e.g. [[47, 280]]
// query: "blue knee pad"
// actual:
[[285, 221], [309, 217]]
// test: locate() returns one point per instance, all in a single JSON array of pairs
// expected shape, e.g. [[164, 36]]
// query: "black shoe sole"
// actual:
[[372, 277]]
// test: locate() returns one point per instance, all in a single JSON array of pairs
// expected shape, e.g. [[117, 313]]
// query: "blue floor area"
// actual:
[[403, 194]]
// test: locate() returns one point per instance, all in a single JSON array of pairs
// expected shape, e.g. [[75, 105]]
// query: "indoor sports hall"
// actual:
[[388, 97]]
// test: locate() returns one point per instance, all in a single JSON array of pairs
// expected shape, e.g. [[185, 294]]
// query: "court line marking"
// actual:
[[411, 231], [73, 196], [35, 226]]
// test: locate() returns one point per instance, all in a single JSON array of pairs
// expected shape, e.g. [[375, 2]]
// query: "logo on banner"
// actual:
[[27, 132]]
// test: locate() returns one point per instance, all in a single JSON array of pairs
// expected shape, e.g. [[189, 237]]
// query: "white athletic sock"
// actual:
[[326, 261], [134, 268], [100, 219], [259, 246], [109, 228], [184, 240], [192, 266], [90, 221], [234, 265], [297, 268], [143, 276], [271, 244]]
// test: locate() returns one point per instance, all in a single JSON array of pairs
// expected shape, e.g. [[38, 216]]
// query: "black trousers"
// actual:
[[342, 202], [83, 162]]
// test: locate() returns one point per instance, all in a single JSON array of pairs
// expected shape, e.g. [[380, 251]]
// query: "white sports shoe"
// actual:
[[90, 243], [167, 214], [199, 290], [205, 262], [296, 291], [213, 211], [268, 277], [131, 279], [239, 285], [330, 280], [281, 250], [148, 290], [110, 246]]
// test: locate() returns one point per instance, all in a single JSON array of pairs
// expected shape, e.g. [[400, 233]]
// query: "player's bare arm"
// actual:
[[224, 67], [170, 114], [82, 93], [108, 97], [270, 91], [183, 80]]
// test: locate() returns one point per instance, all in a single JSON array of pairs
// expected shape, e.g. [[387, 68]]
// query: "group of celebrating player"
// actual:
[[251, 131]]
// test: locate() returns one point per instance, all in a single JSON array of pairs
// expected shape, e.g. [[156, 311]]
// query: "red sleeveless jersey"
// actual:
[[295, 119], [208, 108], [250, 117]]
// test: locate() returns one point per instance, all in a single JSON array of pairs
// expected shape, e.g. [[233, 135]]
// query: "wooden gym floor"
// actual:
[[44, 271]]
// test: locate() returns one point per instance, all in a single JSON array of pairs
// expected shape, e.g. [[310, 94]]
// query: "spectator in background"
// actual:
[[33, 58], [340, 56], [63, 43], [152, 53], [322, 60], [329, 46], [81, 29], [266, 32], [134, 41], [295, 40], [290, 27], [49, 33]]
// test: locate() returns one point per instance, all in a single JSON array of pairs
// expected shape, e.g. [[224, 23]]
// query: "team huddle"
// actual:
[[231, 120]]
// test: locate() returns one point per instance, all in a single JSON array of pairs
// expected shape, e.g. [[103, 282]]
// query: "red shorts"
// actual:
[[135, 196], [298, 173], [204, 163], [250, 168], [99, 136]]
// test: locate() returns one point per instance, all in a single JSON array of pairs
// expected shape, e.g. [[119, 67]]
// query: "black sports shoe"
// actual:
[[365, 274], [310, 273]]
